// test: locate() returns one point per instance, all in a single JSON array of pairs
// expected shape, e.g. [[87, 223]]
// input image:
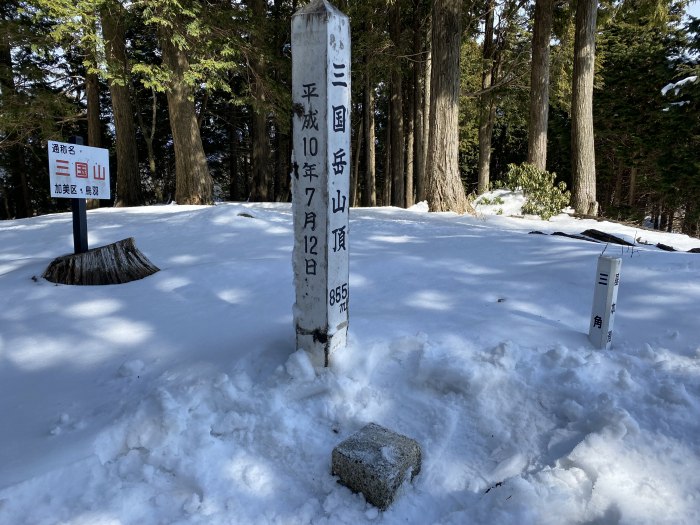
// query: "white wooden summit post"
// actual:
[[320, 178]]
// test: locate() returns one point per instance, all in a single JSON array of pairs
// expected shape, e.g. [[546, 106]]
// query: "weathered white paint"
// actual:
[[607, 282], [321, 177]]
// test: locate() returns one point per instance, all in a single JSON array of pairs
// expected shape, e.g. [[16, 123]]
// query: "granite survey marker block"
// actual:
[[375, 461]]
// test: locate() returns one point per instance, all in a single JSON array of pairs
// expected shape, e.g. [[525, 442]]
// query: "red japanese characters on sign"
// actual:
[[77, 171], [63, 167], [98, 172], [81, 170]]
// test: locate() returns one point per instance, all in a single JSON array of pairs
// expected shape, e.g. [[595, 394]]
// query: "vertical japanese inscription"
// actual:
[[339, 172], [320, 180], [607, 282], [311, 174]]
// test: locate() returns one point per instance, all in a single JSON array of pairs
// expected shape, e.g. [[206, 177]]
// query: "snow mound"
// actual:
[[500, 202], [182, 399]]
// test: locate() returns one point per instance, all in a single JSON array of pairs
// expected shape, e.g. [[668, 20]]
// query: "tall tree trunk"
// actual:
[[128, 188], [487, 108], [5, 202], [355, 174], [233, 148], [281, 77], [386, 194], [92, 90], [18, 173], [16, 167], [148, 136], [617, 195], [445, 189], [539, 85], [689, 225], [663, 218], [487, 120], [193, 184], [398, 148], [259, 156], [582, 145], [423, 175], [369, 195], [410, 145], [417, 109], [282, 190], [260, 146], [632, 195], [94, 133], [245, 179]]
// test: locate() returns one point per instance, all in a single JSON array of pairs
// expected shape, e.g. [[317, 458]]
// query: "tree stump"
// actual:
[[116, 263]]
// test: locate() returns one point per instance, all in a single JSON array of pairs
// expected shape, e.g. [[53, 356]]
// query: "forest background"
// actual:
[[193, 100]]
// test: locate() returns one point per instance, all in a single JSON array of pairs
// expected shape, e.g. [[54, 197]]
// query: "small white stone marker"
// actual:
[[321, 177], [607, 282]]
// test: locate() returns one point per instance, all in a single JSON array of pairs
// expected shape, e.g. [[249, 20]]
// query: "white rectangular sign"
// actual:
[[78, 172]]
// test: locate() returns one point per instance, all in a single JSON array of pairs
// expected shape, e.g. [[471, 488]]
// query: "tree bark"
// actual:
[[5, 203], [417, 109], [259, 156], [386, 194], [445, 188], [92, 92], [260, 146], [539, 85], [423, 177], [116, 263], [617, 192], [16, 167], [283, 166], [128, 187], [283, 152], [582, 144], [487, 109], [398, 196], [193, 184], [148, 136], [632, 195], [410, 146], [92, 89], [355, 174], [369, 195], [233, 148]]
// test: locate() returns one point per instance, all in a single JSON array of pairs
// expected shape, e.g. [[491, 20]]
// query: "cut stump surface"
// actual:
[[116, 263]]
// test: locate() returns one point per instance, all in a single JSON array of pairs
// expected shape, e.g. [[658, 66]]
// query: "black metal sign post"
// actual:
[[78, 206]]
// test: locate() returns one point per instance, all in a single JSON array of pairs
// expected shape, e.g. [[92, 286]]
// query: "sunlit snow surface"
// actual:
[[180, 398]]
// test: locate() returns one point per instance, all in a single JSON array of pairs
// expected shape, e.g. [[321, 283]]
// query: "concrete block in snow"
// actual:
[[375, 461]]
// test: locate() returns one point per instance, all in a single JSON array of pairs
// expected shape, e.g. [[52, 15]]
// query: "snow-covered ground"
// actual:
[[181, 398]]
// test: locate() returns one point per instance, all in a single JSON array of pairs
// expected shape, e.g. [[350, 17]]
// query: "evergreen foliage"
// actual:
[[545, 197], [238, 81], [646, 123]]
